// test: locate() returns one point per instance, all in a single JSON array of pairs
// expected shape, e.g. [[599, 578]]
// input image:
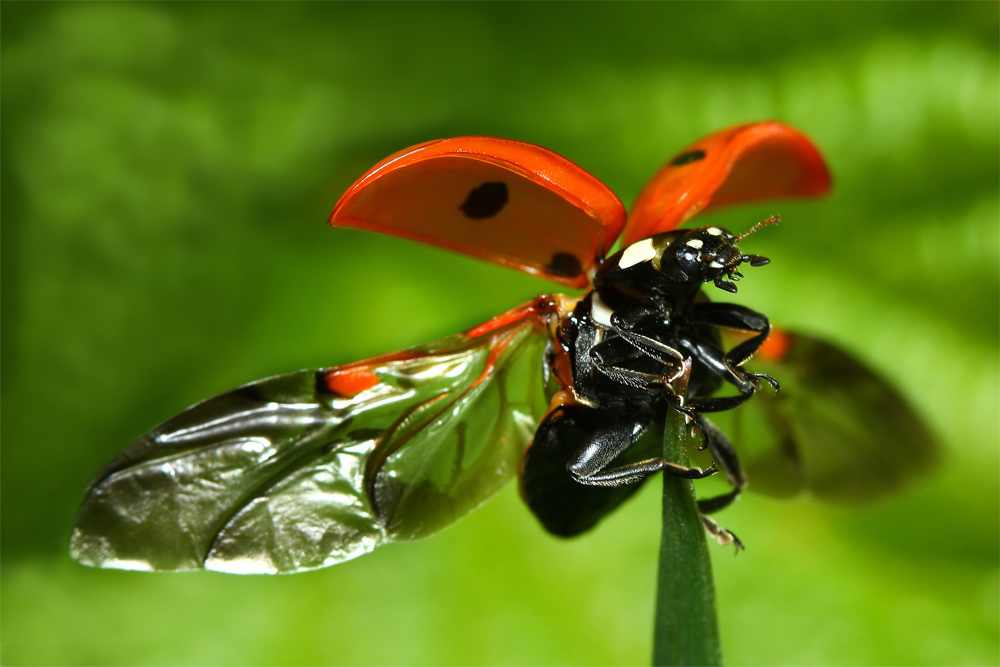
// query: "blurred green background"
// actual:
[[167, 171]]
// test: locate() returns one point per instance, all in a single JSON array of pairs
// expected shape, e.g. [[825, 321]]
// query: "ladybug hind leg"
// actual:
[[721, 535], [725, 458], [591, 464], [563, 505], [729, 463]]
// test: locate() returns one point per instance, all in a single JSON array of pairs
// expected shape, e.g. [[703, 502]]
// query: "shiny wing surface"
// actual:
[[743, 163], [509, 202], [836, 428], [313, 468]]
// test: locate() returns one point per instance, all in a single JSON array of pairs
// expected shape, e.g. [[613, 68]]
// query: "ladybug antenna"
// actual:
[[773, 220]]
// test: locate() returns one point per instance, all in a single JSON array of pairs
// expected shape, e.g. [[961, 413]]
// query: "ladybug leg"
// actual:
[[721, 535], [639, 328], [589, 464], [732, 316], [728, 462], [613, 356], [563, 505], [635, 341], [638, 344], [715, 360], [621, 352]]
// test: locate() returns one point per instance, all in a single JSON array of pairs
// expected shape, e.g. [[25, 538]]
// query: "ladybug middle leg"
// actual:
[[643, 330], [732, 316], [624, 414], [648, 331], [726, 364]]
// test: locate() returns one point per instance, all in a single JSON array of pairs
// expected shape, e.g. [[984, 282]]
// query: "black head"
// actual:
[[708, 254], [695, 256]]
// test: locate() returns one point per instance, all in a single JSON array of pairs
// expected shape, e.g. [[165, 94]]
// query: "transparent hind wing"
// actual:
[[313, 468], [836, 429]]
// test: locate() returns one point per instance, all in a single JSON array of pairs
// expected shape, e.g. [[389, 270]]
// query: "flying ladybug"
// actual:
[[569, 393]]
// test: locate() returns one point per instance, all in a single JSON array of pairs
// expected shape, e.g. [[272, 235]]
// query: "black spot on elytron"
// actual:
[[564, 264], [688, 158], [485, 201]]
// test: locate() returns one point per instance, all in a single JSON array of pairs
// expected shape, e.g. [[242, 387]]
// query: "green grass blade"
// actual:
[[686, 630]]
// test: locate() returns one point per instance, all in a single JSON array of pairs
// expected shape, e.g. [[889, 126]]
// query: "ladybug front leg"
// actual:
[[646, 329], [736, 317], [719, 363], [714, 359]]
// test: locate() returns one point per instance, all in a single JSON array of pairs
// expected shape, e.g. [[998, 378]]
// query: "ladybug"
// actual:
[[312, 468]]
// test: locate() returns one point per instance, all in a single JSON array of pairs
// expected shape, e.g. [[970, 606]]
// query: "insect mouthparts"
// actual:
[[725, 285]]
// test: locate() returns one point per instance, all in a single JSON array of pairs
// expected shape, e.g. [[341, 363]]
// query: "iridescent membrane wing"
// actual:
[[740, 164], [836, 428], [509, 202], [312, 468]]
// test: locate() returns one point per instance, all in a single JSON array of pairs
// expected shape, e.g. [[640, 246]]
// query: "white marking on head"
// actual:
[[600, 312], [640, 251], [695, 243], [714, 231], [715, 265]]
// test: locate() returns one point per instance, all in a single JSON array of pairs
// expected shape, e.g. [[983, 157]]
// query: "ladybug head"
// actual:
[[695, 256], [709, 254]]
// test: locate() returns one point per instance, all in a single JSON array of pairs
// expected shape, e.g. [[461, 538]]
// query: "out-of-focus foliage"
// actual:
[[166, 173]]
